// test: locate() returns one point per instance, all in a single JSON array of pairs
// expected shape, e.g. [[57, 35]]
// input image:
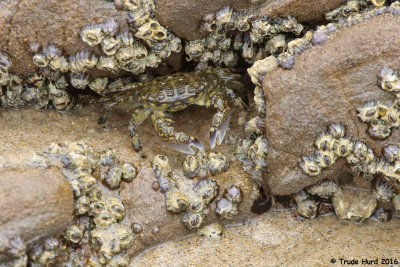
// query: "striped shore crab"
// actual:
[[176, 92]]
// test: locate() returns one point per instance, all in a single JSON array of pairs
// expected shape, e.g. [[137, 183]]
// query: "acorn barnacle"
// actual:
[[298, 45], [82, 205], [323, 188], [310, 165], [260, 68], [116, 208], [343, 147], [99, 85], [108, 64], [325, 142], [226, 209], [255, 126], [59, 63], [391, 153], [383, 190], [113, 177], [276, 44], [362, 152], [191, 166], [325, 158], [258, 152], [110, 27], [213, 231], [129, 172], [389, 80], [79, 80], [92, 34], [175, 201], [286, 60], [110, 45], [306, 206], [125, 236], [336, 130], [207, 190], [233, 194], [73, 234], [161, 166], [192, 220], [82, 61], [394, 8], [217, 163]]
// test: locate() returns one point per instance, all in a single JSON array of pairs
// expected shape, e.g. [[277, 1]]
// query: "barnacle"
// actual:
[[286, 60], [161, 166], [92, 34], [217, 163], [353, 205], [86, 182], [323, 188], [207, 190], [198, 204], [259, 100], [114, 176], [325, 158], [82, 205], [226, 209], [306, 206], [213, 231], [194, 49], [107, 63], [129, 172], [254, 126], [258, 152], [45, 255], [391, 153], [233, 194], [176, 201], [396, 204], [276, 44], [125, 38], [310, 166], [394, 8], [5, 62], [110, 45], [99, 84], [82, 61], [362, 152], [343, 147], [151, 31], [383, 190], [191, 166], [59, 63], [110, 27], [192, 220], [125, 55], [79, 80], [73, 234], [61, 83], [260, 68], [298, 45], [320, 35], [325, 142], [40, 60], [389, 80]]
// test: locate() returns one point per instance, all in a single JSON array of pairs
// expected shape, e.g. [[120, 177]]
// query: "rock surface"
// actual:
[[326, 85], [280, 239], [35, 204]]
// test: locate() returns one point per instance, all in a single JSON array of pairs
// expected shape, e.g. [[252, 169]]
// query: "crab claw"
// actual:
[[186, 147], [219, 131]]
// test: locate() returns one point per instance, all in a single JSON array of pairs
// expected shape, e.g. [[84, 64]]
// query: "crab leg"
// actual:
[[175, 140], [137, 118], [220, 121]]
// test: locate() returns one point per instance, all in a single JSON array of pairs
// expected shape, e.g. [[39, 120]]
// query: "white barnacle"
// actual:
[[194, 49], [325, 158], [175, 201], [391, 153], [79, 80], [325, 141], [59, 63], [306, 206], [310, 166], [260, 68], [92, 34], [337, 130], [110, 27], [207, 190], [323, 188], [161, 166], [217, 163], [383, 190], [389, 80], [110, 45], [394, 8], [82, 61], [343, 147], [368, 111], [108, 64], [286, 60], [276, 44], [99, 84]]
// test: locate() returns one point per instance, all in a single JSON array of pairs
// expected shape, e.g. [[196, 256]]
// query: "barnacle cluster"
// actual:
[[252, 150], [228, 206], [15, 250], [193, 204], [107, 236], [383, 116], [144, 44], [355, 11], [203, 163], [240, 34], [45, 254]]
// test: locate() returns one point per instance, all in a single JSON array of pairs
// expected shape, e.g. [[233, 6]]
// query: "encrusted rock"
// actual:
[[35, 204], [328, 82]]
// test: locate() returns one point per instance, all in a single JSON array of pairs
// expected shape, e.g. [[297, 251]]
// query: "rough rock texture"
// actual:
[[35, 204], [303, 10], [184, 17], [280, 239], [147, 207], [325, 86]]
